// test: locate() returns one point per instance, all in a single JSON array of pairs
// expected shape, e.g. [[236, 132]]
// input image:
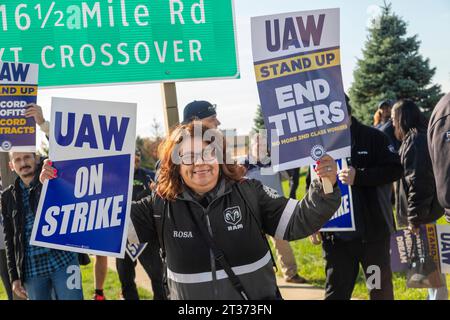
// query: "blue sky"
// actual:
[[237, 99]]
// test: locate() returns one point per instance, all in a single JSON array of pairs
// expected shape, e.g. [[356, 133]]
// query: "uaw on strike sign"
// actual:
[[297, 66], [86, 208]]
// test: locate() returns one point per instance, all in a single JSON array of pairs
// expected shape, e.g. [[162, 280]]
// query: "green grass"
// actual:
[[311, 264], [111, 287]]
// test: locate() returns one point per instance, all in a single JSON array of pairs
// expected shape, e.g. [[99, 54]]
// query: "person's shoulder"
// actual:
[[417, 138], [369, 129], [7, 192], [247, 182], [372, 134], [441, 110], [143, 172], [386, 126], [148, 171]]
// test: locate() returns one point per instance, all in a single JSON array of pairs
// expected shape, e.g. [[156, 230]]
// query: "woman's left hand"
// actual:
[[48, 172], [327, 169], [414, 230]]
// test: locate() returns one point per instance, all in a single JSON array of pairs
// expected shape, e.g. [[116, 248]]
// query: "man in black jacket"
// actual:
[[36, 273], [373, 167], [439, 147]]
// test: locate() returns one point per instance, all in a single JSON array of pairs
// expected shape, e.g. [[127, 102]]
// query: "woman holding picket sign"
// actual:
[[416, 197], [211, 223]]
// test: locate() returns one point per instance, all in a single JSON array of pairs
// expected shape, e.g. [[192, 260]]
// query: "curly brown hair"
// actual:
[[170, 183]]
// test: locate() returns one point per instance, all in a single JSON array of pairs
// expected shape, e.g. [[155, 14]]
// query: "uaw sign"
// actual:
[[92, 42], [18, 88], [297, 66], [433, 240], [343, 219], [86, 208]]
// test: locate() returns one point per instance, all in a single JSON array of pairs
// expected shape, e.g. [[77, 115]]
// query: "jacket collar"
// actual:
[[223, 187]]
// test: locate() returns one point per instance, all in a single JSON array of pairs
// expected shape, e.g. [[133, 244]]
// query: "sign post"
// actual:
[[5, 173], [170, 105]]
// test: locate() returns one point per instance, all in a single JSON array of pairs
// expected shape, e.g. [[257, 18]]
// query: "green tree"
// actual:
[[391, 68], [258, 121]]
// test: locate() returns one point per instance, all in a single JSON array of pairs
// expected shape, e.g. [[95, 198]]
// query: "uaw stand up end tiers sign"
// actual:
[[86, 208], [297, 66]]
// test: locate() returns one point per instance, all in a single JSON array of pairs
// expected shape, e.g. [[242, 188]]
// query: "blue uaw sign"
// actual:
[[298, 72], [86, 208], [343, 219]]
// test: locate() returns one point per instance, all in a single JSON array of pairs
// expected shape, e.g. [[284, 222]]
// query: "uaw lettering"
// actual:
[[343, 219], [18, 88], [444, 248], [86, 208], [298, 73]]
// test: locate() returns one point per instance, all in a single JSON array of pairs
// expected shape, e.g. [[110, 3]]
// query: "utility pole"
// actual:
[[6, 174], [170, 105]]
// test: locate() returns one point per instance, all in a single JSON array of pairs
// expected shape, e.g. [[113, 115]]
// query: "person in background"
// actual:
[[3, 262], [384, 108], [203, 111], [416, 196], [377, 118], [373, 166], [386, 127], [258, 170], [439, 147], [37, 273], [294, 178], [149, 258]]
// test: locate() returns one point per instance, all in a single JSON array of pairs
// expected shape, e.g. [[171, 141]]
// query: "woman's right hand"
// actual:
[[47, 172]]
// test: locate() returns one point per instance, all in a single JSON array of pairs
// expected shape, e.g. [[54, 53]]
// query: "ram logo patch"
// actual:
[[233, 217]]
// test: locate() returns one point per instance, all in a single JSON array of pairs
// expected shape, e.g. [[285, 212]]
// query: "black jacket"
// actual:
[[439, 147], [141, 181], [416, 198], [192, 271], [14, 224], [388, 130], [377, 167]]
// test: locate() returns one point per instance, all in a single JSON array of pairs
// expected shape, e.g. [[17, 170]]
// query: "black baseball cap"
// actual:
[[385, 103], [198, 110]]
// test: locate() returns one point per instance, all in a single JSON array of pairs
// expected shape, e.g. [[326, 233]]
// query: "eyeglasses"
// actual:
[[208, 155]]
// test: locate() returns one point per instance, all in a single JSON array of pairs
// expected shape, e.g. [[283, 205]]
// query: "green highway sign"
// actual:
[[95, 42]]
